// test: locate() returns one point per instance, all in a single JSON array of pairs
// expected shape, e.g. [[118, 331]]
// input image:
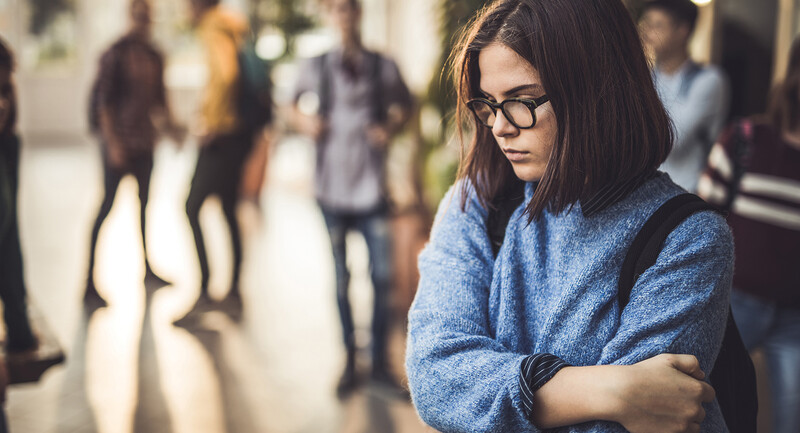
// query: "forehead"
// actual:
[[502, 69]]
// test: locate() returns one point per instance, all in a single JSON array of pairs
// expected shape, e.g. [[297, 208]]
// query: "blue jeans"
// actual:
[[374, 226], [776, 329]]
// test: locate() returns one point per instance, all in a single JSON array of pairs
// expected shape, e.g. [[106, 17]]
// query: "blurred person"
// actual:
[[128, 104], [225, 141], [533, 333], [362, 103], [19, 335], [696, 97], [754, 173]]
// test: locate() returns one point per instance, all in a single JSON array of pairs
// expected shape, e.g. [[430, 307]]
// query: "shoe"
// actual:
[[92, 299], [386, 382], [153, 281], [348, 383], [22, 348], [232, 305], [191, 319]]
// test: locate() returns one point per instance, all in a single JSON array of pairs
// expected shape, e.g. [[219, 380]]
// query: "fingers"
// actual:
[[687, 364], [708, 394]]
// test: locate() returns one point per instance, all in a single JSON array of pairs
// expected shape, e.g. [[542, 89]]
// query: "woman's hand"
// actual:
[[662, 394]]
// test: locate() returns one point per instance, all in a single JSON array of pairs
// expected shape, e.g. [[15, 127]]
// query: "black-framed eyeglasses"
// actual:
[[519, 111]]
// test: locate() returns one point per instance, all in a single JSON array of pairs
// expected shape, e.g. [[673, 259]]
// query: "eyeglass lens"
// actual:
[[517, 112]]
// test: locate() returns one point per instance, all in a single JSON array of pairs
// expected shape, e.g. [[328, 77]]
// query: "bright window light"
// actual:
[[271, 46]]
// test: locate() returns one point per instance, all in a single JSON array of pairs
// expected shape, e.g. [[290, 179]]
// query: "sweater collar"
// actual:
[[613, 193]]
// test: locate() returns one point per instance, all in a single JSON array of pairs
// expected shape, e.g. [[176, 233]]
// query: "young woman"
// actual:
[[561, 99], [754, 172]]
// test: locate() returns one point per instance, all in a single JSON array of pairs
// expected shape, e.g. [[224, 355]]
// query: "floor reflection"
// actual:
[[271, 369]]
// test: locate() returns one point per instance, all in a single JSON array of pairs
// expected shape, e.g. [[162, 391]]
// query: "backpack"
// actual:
[[733, 375], [254, 98]]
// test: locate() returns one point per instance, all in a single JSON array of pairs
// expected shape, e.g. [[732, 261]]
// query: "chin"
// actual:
[[528, 174]]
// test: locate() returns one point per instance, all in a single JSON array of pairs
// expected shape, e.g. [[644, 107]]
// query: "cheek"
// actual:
[[548, 130]]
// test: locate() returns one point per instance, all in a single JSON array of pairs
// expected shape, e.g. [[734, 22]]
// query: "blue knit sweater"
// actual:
[[552, 289]]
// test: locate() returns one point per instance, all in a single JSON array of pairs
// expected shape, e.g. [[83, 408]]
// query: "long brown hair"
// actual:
[[611, 125], [784, 106]]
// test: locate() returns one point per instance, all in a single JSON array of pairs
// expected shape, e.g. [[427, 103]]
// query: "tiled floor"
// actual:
[[128, 369]]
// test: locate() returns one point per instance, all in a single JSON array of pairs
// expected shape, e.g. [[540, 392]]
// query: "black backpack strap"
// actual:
[[647, 245], [323, 69], [375, 66], [688, 79], [733, 375], [500, 210]]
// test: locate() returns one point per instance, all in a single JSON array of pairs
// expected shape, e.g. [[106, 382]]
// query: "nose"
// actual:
[[502, 127]]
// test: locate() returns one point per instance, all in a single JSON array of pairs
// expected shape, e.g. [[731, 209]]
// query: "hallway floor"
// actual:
[[129, 370]]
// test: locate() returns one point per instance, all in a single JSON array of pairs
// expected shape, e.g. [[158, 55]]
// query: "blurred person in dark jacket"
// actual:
[[128, 107], [19, 336]]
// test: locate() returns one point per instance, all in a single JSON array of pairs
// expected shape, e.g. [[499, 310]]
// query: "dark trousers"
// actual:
[[12, 283], [374, 226], [218, 172], [141, 168]]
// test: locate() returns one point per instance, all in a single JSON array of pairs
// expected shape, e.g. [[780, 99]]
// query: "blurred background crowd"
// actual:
[[269, 241]]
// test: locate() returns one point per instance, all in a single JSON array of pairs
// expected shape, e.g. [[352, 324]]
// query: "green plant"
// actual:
[[291, 17], [43, 12]]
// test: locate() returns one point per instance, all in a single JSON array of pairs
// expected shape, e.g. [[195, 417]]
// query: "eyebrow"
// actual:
[[518, 89]]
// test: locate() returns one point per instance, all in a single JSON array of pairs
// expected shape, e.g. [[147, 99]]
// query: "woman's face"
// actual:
[[505, 74]]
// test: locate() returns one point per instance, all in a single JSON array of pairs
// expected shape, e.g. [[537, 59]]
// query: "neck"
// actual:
[[351, 43], [671, 63], [139, 34]]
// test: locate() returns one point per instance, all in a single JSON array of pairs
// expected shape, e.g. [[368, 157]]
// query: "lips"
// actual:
[[514, 155]]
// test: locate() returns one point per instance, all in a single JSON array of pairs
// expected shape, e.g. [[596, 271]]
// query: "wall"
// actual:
[[54, 101]]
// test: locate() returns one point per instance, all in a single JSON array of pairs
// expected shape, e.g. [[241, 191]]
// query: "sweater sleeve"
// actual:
[[461, 379], [680, 304]]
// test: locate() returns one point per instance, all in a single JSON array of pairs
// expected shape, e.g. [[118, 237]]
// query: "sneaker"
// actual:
[[386, 382], [92, 299], [153, 281], [348, 383], [22, 347], [232, 305]]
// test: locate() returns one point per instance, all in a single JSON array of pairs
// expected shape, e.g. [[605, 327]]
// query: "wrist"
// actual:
[[610, 390], [573, 396]]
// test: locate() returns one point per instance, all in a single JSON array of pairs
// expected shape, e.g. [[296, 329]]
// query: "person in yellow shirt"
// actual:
[[225, 140]]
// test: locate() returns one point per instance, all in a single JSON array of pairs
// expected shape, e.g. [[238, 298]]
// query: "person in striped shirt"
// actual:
[[754, 173]]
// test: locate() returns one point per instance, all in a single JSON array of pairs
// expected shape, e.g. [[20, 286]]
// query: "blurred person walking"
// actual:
[[227, 135], [362, 103], [128, 107], [19, 336], [754, 173], [696, 97]]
